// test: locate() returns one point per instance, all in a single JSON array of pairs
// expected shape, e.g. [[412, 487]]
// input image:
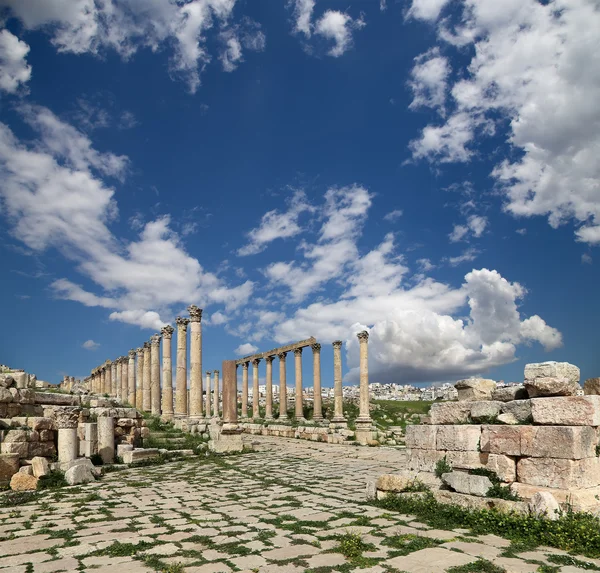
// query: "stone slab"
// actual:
[[559, 473], [433, 560], [458, 438], [566, 411]]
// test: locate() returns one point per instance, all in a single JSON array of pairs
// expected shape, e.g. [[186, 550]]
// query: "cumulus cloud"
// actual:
[[245, 349], [90, 345], [303, 11], [393, 215], [277, 225], [530, 60], [428, 81], [55, 194], [87, 26], [14, 70], [234, 40], [475, 226]]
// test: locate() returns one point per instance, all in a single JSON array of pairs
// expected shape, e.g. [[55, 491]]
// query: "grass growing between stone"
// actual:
[[405, 544], [573, 532]]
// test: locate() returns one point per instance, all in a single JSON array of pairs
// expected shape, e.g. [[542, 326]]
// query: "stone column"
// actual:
[[229, 395], [139, 380], [155, 374], [102, 380], [107, 379], [113, 379], [131, 378], [207, 398], [338, 396], [245, 390], [147, 390], [106, 439], [195, 361], [317, 399], [68, 444], [255, 396], [283, 405], [117, 380], [181, 373], [364, 414], [269, 385], [167, 368], [124, 378], [299, 413], [216, 394]]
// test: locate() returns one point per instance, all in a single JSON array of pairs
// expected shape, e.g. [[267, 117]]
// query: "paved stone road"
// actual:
[[279, 510]]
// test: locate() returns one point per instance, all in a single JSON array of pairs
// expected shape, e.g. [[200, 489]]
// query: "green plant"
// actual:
[[548, 569], [18, 498], [598, 450], [568, 560], [405, 544], [502, 492], [442, 467], [96, 459], [52, 480], [479, 566], [415, 486], [352, 546]]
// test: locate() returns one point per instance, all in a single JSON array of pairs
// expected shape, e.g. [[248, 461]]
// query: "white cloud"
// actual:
[[248, 36], [338, 26], [53, 194], [429, 81], [14, 70], [466, 257], [426, 9], [382, 5], [393, 215], [303, 11], [530, 61], [586, 259], [245, 349], [475, 226], [458, 233], [217, 318], [275, 225], [90, 345], [87, 26]]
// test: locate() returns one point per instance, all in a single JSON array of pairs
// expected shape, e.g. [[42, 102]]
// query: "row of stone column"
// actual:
[[139, 381]]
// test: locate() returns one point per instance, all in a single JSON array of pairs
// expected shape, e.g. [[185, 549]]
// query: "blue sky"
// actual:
[[424, 169]]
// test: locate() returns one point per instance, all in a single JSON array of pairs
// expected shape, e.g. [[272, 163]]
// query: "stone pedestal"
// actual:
[[106, 439], [90, 443], [364, 432], [68, 444]]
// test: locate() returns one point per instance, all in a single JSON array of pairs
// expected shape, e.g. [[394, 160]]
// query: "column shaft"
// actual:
[[216, 394], [155, 374], [364, 412], [245, 389], [147, 391], [317, 399], [113, 380], [269, 389], [131, 378], [139, 380], [298, 372], [283, 405], [181, 373], [229, 394], [195, 361], [107, 379], [167, 368], [208, 396], [124, 378], [119, 373], [338, 396], [255, 410]]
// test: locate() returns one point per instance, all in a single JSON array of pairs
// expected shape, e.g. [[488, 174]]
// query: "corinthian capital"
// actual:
[[316, 347], [256, 362], [195, 313], [297, 351], [155, 339], [363, 336], [337, 344], [182, 323], [167, 331], [270, 359], [140, 351], [282, 355], [131, 354], [146, 345]]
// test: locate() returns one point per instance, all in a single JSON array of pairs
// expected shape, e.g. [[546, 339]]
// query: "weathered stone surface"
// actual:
[[566, 411], [139, 454], [504, 440], [423, 460], [548, 387], [552, 370], [79, 474], [9, 465], [559, 473], [461, 438], [568, 442], [394, 482], [485, 410], [543, 504], [23, 482], [466, 460], [38, 423], [475, 389], [421, 436], [21, 379], [15, 436], [579, 499], [450, 413], [51, 399], [6, 381], [520, 409], [81, 462], [39, 466], [507, 419], [465, 483], [591, 386], [5, 395], [63, 416], [503, 466], [509, 393], [26, 470], [20, 448], [42, 449]]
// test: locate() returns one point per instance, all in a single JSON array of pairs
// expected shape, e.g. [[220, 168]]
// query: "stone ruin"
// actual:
[[539, 438]]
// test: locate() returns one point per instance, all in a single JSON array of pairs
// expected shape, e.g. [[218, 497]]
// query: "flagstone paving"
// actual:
[[278, 510]]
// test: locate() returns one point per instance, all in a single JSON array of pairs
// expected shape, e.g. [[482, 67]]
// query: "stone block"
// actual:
[[578, 499], [6, 381], [552, 370], [566, 411], [38, 424], [591, 386], [568, 442], [465, 483], [46, 435], [139, 455], [9, 465], [26, 470], [509, 393], [450, 413], [458, 438], [79, 474], [23, 482], [507, 419], [544, 504], [421, 436], [503, 466], [423, 460], [466, 460], [15, 436], [226, 443], [20, 448], [559, 473], [504, 440], [520, 409], [485, 410], [42, 449], [5, 395], [394, 482], [122, 448], [473, 389], [39, 466], [548, 387], [21, 379]]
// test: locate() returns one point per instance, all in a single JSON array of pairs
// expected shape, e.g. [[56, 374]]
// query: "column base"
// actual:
[[269, 417], [364, 432], [167, 416]]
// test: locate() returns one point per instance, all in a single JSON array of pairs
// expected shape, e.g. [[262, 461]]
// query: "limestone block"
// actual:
[[42, 449], [79, 474], [475, 389], [466, 460], [568, 442], [9, 465], [50, 399], [139, 454], [421, 436], [520, 409], [226, 443], [37, 423], [507, 419], [145, 433], [503, 439], [465, 483], [591, 386], [450, 413], [15, 436], [21, 379], [509, 393], [39, 466], [458, 438], [566, 411], [63, 416], [552, 370], [126, 422], [106, 439], [579, 499], [544, 504], [20, 448], [46, 435], [483, 410], [121, 448], [6, 381], [423, 460], [5, 395], [81, 462], [548, 387], [504, 467], [23, 396], [23, 482], [559, 473], [26, 470]]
